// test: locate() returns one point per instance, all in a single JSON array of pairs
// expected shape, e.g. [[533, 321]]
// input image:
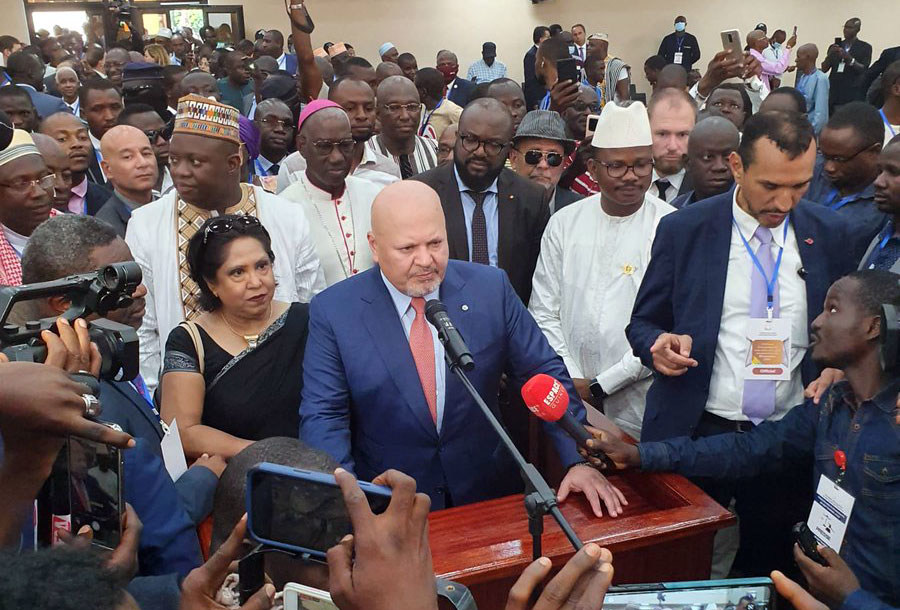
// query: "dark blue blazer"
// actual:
[[684, 287], [122, 405], [461, 91], [45, 104], [363, 401]]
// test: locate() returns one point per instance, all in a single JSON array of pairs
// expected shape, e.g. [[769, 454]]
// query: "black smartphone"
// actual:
[[95, 490], [808, 543], [567, 69], [301, 511], [837, 40]]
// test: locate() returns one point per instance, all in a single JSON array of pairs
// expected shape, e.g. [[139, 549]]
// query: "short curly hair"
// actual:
[[206, 254]]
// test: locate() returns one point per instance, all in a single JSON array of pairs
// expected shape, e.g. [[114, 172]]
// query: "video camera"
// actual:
[[97, 292], [890, 337]]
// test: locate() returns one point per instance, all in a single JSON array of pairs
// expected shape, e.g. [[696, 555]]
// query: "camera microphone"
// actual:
[[457, 352]]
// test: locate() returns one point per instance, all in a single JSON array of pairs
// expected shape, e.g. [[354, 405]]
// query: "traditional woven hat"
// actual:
[[202, 116], [623, 127], [21, 144]]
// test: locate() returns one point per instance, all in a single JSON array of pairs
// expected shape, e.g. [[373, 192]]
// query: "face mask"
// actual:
[[679, 27], [449, 73]]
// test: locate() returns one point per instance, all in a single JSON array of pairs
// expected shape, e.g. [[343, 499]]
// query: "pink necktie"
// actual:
[[421, 343]]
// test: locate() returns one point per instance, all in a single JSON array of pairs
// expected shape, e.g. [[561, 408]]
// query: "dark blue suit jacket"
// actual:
[[363, 401], [45, 104], [461, 91], [290, 63], [122, 405], [684, 287]]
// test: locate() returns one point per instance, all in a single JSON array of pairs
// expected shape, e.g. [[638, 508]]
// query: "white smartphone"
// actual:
[[592, 121], [731, 42], [301, 597]]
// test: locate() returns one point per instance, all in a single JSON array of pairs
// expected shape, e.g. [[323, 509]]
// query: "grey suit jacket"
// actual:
[[115, 213]]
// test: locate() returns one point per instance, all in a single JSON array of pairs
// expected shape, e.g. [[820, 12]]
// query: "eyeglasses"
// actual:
[[153, 134], [533, 157], [274, 122], [397, 108], [220, 226], [581, 107], [22, 186], [472, 143], [326, 147], [641, 168], [834, 159]]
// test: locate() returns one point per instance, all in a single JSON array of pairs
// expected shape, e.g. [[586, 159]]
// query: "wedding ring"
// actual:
[[91, 405]]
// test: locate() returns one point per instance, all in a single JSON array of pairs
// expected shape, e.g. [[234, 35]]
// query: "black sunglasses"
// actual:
[[533, 157], [220, 226]]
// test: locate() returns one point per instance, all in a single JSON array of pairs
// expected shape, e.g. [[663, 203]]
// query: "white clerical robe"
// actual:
[[339, 226], [584, 287], [151, 236]]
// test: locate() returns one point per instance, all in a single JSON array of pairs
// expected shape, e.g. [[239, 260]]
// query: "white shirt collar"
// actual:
[[94, 141], [403, 301], [282, 60], [463, 188], [747, 224], [18, 242], [675, 179]]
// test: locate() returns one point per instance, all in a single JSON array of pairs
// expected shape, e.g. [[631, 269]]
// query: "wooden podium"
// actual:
[[665, 534]]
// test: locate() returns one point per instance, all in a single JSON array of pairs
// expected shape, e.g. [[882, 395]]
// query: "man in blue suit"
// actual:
[[273, 46], [377, 393], [27, 71], [459, 90], [703, 285]]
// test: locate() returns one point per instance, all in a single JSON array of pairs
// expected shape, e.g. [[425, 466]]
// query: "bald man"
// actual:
[[200, 83], [814, 86], [757, 42], [398, 112], [57, 162], [386, 69], [129, 163], [377, 393], [337, 205], [710, 144]]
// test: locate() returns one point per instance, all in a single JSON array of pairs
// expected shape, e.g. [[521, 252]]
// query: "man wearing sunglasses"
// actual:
[[593, 256], [540, 152], [847, 166], [26, 190]]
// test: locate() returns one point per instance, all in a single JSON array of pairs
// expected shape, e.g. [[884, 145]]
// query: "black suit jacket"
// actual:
[[95, 174], [523, 212], [461, 91], [847, 86], [887, 57], [96, 197], [565, 197], [115, 213], [534, 91]]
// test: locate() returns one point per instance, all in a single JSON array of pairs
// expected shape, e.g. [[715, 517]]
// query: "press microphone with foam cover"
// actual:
[[454, 345], [547, 398]]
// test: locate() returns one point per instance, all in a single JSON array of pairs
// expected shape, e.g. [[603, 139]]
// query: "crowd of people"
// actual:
[[702, 266]]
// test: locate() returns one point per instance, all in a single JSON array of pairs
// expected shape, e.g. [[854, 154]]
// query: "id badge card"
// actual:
[[840, 67], [830, 513], [173, 452], [769, 349], [269, 183], [679, 56]]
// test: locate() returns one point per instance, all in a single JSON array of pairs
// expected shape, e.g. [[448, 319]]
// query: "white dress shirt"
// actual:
[[585, 283], [726, 384], [675, 181], [491, 216], [374, 167], [96, 144], [403, 304], [282, 62], [339, 227]]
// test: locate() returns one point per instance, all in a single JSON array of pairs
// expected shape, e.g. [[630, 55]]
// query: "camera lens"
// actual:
[[118, 276]]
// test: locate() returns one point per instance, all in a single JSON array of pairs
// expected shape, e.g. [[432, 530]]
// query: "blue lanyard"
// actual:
[[888, 232], [770, 283], [841, 203], [259, 168], [680, 43], [886, 122], [428, 116]]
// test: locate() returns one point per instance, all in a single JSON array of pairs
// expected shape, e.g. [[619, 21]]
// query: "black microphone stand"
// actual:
[[539, 498]]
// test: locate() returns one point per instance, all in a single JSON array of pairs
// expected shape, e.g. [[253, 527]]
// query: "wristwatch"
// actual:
[[597, 390]]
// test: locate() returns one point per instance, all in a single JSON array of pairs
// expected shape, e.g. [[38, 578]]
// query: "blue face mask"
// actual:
[[679, 27]]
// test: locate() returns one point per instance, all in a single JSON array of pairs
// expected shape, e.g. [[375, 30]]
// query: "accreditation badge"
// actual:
[[768, 349], [679, 58], [830, 513]]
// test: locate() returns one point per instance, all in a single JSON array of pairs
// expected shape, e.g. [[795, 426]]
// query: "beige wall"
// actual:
[[423, 27], [14, 22]]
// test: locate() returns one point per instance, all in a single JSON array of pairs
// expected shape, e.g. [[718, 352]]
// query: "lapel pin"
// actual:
[[629, 270], [809, 241], [465, 308]]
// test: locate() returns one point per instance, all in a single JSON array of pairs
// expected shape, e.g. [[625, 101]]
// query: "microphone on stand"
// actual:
[[547, 398]]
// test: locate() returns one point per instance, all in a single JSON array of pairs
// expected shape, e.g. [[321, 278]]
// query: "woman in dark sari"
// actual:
[[234, 374]]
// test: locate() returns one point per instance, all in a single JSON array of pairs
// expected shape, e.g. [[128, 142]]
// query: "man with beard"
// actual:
[[494, 216], [369, 332], [148, 120], [26, 186], [337, 206], [884, 251], [58, 163], [204, 155], [358, 101], [711, 143], [71, 133], [398, 112], [672, 116], [604, 239], [458, 89]]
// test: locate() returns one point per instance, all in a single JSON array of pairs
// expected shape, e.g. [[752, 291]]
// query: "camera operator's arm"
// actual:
[[307, 70], [392, 564], [40, 405]]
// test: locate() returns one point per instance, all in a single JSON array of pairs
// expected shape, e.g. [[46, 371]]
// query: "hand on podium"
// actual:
[[623, 454], [582, 583]]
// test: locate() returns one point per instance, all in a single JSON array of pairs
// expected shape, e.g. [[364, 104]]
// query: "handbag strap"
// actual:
[[194, 331]]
